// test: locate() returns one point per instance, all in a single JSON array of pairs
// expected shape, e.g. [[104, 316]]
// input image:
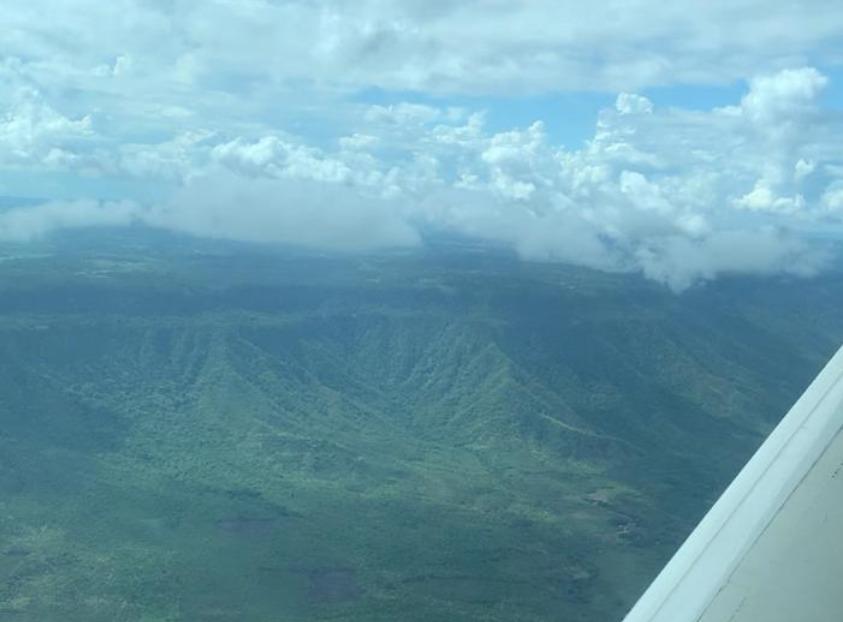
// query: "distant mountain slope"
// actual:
[[448, 438]]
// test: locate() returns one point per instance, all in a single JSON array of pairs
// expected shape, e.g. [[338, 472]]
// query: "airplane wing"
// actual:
[[771, 548]]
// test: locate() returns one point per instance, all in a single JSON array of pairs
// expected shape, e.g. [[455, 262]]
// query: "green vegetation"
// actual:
[[191, 431]]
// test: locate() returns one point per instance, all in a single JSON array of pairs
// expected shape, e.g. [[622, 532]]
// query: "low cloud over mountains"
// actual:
[[200, 135]]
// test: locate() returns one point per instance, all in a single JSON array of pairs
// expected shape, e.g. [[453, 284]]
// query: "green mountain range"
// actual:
[[198, 431]]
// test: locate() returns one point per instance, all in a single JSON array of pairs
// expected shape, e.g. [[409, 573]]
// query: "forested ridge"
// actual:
[[188, 434]]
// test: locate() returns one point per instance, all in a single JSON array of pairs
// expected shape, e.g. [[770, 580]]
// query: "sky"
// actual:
[[680, 140]]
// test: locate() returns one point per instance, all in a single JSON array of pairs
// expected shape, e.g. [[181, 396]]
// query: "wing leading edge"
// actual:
[[771, 548]]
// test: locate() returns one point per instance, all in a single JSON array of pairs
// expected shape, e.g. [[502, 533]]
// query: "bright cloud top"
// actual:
[[245, 116]]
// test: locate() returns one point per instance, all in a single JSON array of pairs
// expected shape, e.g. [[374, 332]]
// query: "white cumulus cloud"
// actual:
[[352, 124], [679, 195]]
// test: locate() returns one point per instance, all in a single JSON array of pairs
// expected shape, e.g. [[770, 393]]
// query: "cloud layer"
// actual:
[[249, 121], [473, 46]]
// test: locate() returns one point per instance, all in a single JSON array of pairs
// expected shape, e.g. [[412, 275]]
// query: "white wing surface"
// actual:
[[771, 548]]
